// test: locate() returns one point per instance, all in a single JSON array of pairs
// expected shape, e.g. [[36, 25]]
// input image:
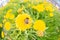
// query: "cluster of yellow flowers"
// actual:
[[44, 6], [24, 21], [9, 14]]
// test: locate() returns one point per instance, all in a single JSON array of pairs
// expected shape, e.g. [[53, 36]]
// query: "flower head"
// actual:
[[23, 21], [39, 8], [7, 26], [39, 25], [51, 14], [2, 34], [49, 7], [20, 10], [9, 14], [40, 33]]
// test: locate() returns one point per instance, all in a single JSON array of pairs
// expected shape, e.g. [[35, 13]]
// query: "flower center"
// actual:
[[26, 20]]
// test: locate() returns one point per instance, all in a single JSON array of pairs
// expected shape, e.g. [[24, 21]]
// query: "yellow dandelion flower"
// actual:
[[9, 15], [49, 7], [19, 10], [39, 8], [23, 22], [2, 34], [39, 25], [51, 14], [0, 24], [7, 26], [40, 33]]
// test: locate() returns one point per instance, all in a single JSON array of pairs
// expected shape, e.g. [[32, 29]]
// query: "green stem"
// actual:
[[26, 35], [37, 16]]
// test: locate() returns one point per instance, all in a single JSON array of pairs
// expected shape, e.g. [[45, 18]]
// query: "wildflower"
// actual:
[[7, 26], [2, 34], [20, 10], [51, 14], [23, 22], [40, 33], [9, 15], [39, 25], [49, 7], [39, 8]]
